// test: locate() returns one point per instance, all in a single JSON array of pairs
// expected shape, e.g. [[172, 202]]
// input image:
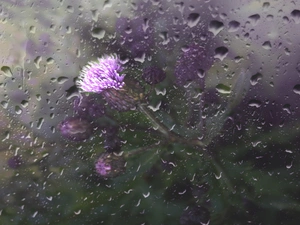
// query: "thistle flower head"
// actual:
[[102, 74]]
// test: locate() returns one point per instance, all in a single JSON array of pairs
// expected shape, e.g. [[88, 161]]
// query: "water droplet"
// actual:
[[37, 61], [221, 53], [254, 103], [34, 214], [233, 26], [154, 108], [18, 110], [50, 60], [6, 71], [254, 19], [32, 29], [270, 17], [296, 89], [107, 4], [98, 32], [223, 89], [193, 19], [215, 27], [255, 78], [95, 14], [267, 45], [24, 103], [141, 58], [218, 176], [164, 35], [62, 80], [77, 212], [296, 16], [287, 108], [40, 123], [146, 195], [161, 92], [289, 166], [266, 6], [4, 104]]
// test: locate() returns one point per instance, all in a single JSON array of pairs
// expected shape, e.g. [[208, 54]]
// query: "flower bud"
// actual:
[[75, 128], [153, 75], [110, 165], [89, 106]]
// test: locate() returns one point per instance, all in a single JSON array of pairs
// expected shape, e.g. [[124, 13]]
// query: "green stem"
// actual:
[[157, 124], [140, 150]]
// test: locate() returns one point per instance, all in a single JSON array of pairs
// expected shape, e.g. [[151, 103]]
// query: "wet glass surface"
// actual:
[[149, 112]]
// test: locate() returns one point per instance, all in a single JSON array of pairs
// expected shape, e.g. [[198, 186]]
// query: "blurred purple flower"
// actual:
[[89, 106], [75, 128], [110, 165], [100, 75]]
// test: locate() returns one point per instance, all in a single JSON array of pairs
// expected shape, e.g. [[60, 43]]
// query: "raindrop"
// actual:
[[154, 108], [223, 89], [254, 103], [296, 16], [193, 19], [285, 20], [70, 9], [215, 27], [98, 32], [107, 4], [218, 177], [289, 166], [62, 80], [233, 26], [37, 61], [296, 89], [24, 103], [221, 53], [255, 78], [266, 5], [141, 58], [77, 212], [267, 45], [287, 108], [38, 97], [32, 29], [50, 60], [4, 104], [161, 92], [18, 110], [40, 123], [34, 214], [95, 15], [139, 202], [146, 195], [270, 17], [164, 35], [254, 19], [6, 71]]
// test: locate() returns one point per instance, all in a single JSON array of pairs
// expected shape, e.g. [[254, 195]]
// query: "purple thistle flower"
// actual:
[[100, 75]]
